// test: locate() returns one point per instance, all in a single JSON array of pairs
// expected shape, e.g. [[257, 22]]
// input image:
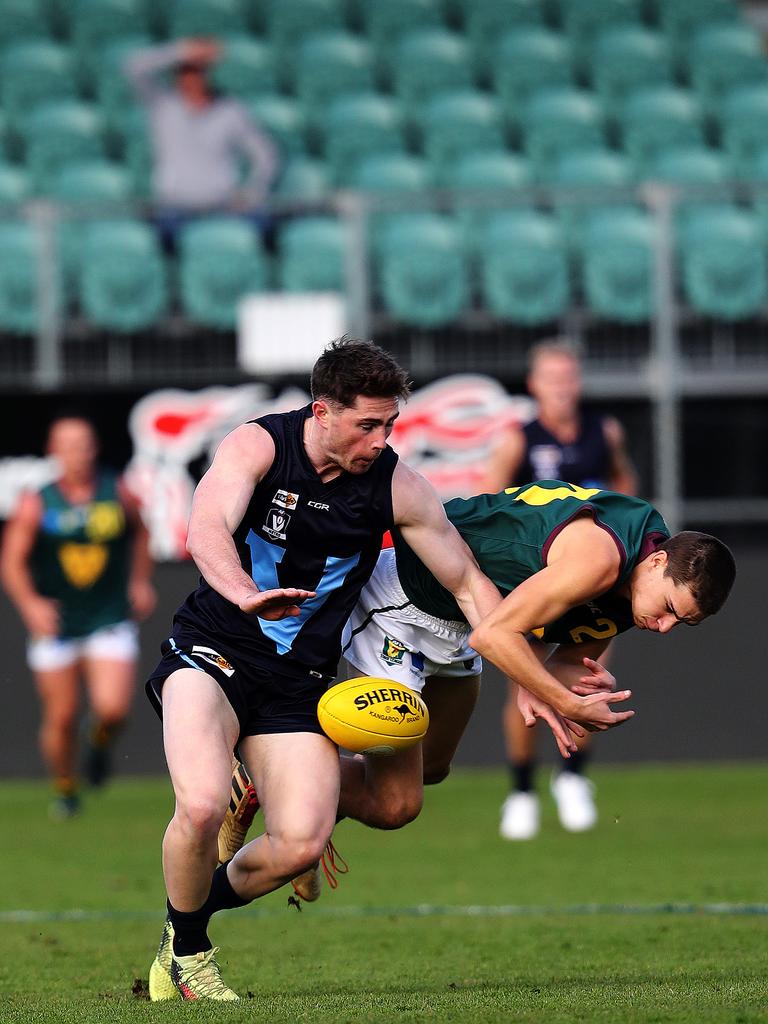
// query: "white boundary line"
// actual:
[[419, 910]]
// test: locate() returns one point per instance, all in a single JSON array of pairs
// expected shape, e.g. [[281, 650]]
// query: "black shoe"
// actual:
[[97, 765]]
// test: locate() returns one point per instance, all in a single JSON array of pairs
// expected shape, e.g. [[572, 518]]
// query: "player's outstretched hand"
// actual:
[[275, 604], [596, 714], [598, 680], [532, 708]]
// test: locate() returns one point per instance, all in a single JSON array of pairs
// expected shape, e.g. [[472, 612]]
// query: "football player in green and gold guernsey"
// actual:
[[575, 566], [75, 562]]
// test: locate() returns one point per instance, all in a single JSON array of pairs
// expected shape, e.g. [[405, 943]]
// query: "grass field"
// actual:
[[442, 921]]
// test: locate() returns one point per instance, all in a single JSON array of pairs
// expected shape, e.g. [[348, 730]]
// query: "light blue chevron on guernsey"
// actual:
[[265, 558]]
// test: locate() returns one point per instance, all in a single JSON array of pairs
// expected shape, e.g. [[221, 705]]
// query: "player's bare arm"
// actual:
[[219, 504], [583, 562], [504, 462], [435, 540], [40, 614], [623, 476], [141, 592]]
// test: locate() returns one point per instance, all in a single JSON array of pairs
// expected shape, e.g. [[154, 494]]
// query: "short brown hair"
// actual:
[[704, 565], [349, 367]]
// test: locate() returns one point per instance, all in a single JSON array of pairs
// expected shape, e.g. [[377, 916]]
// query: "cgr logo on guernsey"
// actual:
[[320, 505]]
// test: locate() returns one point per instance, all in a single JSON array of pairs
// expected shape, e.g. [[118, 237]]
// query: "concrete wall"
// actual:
[[699, 693]]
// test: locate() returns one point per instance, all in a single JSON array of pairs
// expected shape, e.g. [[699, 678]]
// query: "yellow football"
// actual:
[[373, 716]]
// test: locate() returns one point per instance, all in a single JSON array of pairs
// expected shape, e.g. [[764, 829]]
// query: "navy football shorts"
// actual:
[[267, 698]]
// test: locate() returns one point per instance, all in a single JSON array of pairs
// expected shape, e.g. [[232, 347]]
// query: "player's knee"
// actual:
[[399, 811], [201, 815], [295, 855], [434, 774]]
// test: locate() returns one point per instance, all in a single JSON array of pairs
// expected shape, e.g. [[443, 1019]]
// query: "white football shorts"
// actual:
[[388, 637], [111, 643]]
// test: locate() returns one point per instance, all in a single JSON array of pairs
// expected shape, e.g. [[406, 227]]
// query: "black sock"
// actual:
[[521, 774], [576, 763], [191, 928]]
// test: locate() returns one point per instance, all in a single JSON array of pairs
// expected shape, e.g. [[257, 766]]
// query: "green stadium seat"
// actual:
[[722, 57], [760, 180], [524, 268], [355, 127], [703, 172], [246, 67], [390, 173], [429, 61], [136, 149], [421, 271], [205, 18], [483, 182], [384, 23], [94, 24], [221, 261], [288, 21], [5, 139], [590, 181], [23, 20], [679, 19], [656, 119], [311, 255], [14, 185], [331, 64], [61, 132], [486, 21], [110, 84], [454, 123], [724, 265], [282, 118], [95, 181], [527, 60], [617, 252], [744, 127], [19, 249], [583, 19], [625, 59], [122, 277], [33, 72], [555, 121], [303, 178]]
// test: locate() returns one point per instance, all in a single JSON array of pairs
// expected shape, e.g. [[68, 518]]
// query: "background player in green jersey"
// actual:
[[564, 442], [577, 566], [75, 561]]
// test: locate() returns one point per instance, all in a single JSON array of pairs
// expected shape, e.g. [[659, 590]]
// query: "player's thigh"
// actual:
[[397, 778], [200, 730], [297, 778], [111, 685], [451, 701], [59, 693]]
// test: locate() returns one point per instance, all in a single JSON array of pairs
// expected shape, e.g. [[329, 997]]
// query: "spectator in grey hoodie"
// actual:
[[199, 138]]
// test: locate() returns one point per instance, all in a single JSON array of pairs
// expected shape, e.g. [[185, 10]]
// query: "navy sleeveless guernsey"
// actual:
[[586, 461], [299, 532]]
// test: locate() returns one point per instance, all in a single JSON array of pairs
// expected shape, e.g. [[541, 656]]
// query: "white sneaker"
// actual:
[[519, 816], [574, 796]]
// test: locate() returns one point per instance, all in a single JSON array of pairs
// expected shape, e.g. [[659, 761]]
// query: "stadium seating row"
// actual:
[[428, 267], [555, 124]]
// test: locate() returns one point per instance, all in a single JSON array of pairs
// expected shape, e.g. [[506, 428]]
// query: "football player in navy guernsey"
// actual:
[[564, 442], [286, 528]]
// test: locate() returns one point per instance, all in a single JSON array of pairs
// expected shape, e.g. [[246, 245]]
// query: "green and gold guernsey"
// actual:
[[81, 557], [510, 534]]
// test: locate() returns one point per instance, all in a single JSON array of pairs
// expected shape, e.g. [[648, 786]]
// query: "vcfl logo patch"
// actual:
[[276, 524]]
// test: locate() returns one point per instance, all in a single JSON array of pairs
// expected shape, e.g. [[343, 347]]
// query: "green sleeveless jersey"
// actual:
[[81, 557], [510, 534]]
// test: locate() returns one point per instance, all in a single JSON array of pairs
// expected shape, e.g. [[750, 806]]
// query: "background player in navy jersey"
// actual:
[[563, 442], [286, 529]]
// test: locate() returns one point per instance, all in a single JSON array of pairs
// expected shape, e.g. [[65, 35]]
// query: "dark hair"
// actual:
[[349, 367], [703, 564]]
